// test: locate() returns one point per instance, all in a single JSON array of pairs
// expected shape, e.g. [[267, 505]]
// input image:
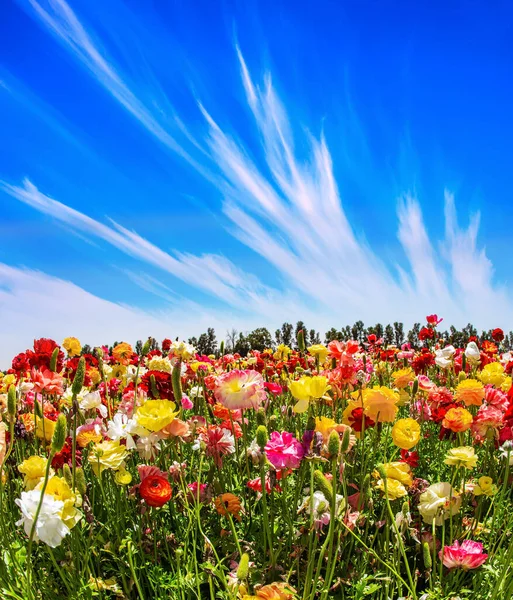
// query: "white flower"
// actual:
[[148, 446], [67, 397], [50, 527], [506, 451], [196, 392], [182, 350], [121, 428], [443, 357], [472, 353], [438, 502], [93, 400], [321, 508]]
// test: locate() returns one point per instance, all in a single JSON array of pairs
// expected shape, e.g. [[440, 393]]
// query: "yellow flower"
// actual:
[[493, 374], [485, 487], [464, 456], [94, 374], [399, 471], [154, 415], [34, 469], [306, 389], [394, 488], [380, 404], [273, 591], [107, 455], [457, 419], [60, 490], [506, 385], [72, 346], [403, 377], [406, 433], [196, 366], [159, 363], [282, 352], [470, 391], [122, 476], [44, 428], [320, 351]]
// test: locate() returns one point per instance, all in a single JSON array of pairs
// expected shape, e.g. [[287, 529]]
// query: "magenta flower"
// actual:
[[467, 556], [284, 451]]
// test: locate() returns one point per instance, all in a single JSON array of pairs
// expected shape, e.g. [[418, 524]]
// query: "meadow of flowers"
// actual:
[[347, 470]]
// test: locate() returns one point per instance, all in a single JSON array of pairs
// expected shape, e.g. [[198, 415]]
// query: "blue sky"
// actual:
[[167, 166]]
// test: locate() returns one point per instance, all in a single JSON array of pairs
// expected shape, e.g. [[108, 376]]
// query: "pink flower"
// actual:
[[467, 556], [218, 442], [240, 389], [47, 381], [274, 388], [186, 403], [487, 422], [149, 471], [425, 383], [284, 451], [496, 398]]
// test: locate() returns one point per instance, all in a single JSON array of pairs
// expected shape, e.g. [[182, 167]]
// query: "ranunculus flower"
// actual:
[[498, 334], [472, 353], [228, 504], [307, 389], [493, 373], [457, 419], [485, 487], [443, 357], [155, 490], [464, 456], [406, 433], [403, 377], [284, 451], [380, 404], [72, 346], [107, 455], [34, 469], [240, 389], [470, 391], [467, 556], [320, 351], [438, 502], [394, 488], [154, 415], [50, 528]]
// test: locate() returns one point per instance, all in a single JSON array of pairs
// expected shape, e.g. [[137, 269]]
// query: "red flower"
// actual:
[[274, 388], [42, 355], [498, 334], [372, 339], [433, 320], [163, 385], [65, 456], [166, 345], [155, 490], [426, 333], [356, 420], [21, 363], [410, 458]]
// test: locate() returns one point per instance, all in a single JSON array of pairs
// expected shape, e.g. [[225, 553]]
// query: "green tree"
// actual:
[[260, 339]]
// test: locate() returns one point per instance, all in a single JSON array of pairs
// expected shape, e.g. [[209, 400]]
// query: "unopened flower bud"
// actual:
[[262, 436], [176, 379], [53, 359], [11, 402], [462, 375], [366, 486], [333, 445], [153, 385], [59, 434], [38, 410], [301, 340], [243, 570], [78, 382], [405, 509], [146, 347], [66, 472], [323, 485], [463, 362], [426, 555], [344, 446], [381, 470], [333, 363], [415, 388], [221, 348], [80, 481]]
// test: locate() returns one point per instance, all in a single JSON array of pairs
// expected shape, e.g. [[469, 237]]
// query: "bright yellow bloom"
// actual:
[[400, 471], [320, 351], [34, 469], [464, 456], [457, 419], [273, 591], [72, 346], [306, 389], [493, 374], [107, 455], [470, 391], [204, 366], [94, 374], [159, 363], [324, 425], [506, 384], [438, 502], [154, 415], [394, 488], [44, 428], [485, 487], [122, 476], [380, 404], [282, 352], [406, 433], [60, 490], [403, 377]]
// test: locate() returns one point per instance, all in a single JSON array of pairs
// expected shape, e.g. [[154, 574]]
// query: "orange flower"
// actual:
[[155, 490], [470, 391], [176, 428], [223, 413], [457, 419], [273, 591], [228, 504], [122, 353], [28, 420]]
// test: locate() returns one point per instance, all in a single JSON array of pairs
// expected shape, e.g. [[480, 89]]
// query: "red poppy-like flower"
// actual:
[[356, 420], [166, 345], [21, 363], [426, 333], [497, 334], [155, 490], [163, 385], [433, 320], [410, 458]]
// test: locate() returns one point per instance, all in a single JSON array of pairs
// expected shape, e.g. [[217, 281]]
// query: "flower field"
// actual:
[[350, 470]]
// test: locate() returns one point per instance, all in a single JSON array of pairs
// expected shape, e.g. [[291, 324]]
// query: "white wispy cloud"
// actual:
[[288, 209]]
